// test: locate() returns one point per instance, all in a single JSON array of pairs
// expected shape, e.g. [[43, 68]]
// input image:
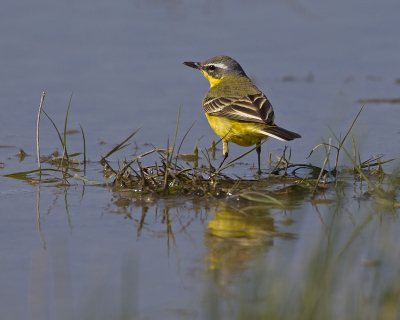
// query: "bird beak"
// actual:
[[195, 65]]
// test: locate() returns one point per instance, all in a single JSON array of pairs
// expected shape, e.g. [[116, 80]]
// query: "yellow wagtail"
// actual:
[[235, 108]]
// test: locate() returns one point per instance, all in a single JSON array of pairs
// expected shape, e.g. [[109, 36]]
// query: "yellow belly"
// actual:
[[243, 133]]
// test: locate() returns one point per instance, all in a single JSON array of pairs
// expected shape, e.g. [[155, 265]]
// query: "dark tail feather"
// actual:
[[280, 133]]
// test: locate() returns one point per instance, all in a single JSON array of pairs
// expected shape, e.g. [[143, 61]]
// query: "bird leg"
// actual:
[[259, 157], [225, 151]]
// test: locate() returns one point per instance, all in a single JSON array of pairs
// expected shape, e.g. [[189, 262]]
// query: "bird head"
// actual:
[[218, 68]]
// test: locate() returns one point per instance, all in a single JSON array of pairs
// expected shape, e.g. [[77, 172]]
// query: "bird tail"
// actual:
[[279, 133]]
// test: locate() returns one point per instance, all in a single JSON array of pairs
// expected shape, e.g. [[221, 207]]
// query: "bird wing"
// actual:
[[251, 108]]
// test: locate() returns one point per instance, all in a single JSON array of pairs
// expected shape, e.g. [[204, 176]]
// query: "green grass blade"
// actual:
[[176, 132], [84, 145], [76, 176], [11, 175], [184, 137], [119, 146], [65, 153], [58, 132], [351, 127], [375, 163], [75, 154], [323, 167]]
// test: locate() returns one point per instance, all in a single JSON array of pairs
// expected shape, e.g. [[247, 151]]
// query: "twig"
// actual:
[[37, 129]]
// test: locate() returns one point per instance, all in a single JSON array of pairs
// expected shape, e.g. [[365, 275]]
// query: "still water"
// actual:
[[84, 251]]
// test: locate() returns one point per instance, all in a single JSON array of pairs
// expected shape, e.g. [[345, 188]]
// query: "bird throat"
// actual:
[[213, 81]]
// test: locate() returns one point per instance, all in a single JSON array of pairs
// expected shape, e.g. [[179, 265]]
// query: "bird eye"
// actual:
[[211, 67]]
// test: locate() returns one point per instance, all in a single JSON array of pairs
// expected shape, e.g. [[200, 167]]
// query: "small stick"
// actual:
[[37, 130]]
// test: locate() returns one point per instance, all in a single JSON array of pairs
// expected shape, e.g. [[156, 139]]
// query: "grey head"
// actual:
[[218, 67]]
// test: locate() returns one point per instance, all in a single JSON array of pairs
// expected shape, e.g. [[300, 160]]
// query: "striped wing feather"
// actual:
[[251, 108]]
